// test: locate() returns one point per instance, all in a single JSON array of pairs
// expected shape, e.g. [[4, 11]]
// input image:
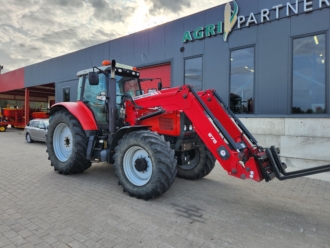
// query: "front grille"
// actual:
[[166, 123]]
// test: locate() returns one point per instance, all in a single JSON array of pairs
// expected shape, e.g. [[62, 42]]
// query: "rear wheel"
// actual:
[[67, 144], [144, 164], [28, 138], [2, 129], [196, 163]]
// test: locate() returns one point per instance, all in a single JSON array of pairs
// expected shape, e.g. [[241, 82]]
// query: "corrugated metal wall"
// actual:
[[159, 71]]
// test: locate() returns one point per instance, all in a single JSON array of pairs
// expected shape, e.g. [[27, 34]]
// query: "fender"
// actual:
[[80, 111]]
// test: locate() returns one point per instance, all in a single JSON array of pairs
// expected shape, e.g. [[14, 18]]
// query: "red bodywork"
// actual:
[[81, 112], [14, 117], [41, 115], [181, 99]]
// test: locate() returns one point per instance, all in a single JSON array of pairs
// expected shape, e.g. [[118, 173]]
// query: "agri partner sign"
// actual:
[[231, 18]]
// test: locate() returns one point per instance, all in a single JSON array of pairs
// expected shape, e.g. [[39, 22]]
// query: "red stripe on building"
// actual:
[[159, 71], [12, 80]]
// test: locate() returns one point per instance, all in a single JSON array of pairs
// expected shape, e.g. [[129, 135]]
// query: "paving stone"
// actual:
[[49, 239], [40, 208], [26, 246], [43, 245], [4, 241], [75, 244], [34, 240]]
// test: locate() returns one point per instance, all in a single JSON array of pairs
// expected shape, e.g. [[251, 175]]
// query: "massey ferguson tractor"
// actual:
[[152, 138]]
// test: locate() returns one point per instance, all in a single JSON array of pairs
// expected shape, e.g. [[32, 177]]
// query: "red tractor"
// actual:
[[151, 138]]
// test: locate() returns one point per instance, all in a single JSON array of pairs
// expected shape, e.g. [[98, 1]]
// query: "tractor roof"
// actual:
[[121, 68]]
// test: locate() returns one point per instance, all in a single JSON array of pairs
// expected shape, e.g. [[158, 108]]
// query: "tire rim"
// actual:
[[194, 159], [138, 178], [2, 129], [62, 142], [28, 138]]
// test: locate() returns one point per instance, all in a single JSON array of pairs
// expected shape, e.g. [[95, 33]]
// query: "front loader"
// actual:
[[151, 138]]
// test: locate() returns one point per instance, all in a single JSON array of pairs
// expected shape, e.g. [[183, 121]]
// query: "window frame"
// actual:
[[35, 124], [254, 46], [290, 94], [184, 68]]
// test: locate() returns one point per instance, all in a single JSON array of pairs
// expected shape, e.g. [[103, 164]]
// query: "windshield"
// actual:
[[127, 85], [95, 95]]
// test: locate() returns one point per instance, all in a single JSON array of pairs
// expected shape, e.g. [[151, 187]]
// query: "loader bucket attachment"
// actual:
[[277, 168]]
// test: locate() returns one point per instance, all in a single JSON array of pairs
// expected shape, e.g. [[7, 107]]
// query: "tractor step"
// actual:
[[277, 168]]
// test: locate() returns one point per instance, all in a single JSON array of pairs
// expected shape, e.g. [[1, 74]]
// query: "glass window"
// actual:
[[35, 124], [46, 123], [242, 81], [80, 86], [138, 92], [41, 125], [94, 96], [309, 75], [66, 94], [193, 70]]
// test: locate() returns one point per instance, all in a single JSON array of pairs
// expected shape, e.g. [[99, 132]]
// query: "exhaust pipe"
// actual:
[[112, 102]]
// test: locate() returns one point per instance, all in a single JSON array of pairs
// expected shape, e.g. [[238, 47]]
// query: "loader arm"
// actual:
[[225, 136]]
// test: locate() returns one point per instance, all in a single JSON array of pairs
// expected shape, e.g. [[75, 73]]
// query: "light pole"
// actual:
[[1, 67]]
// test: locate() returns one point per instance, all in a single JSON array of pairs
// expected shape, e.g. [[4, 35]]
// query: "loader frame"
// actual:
[[223, 133]]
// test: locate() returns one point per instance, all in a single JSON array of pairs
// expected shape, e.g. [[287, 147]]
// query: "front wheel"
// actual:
[[28, 138], [196, 163], [2, 129], [144, 164], [67, 144]]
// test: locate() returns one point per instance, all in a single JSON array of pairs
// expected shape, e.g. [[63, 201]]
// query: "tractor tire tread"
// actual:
[[204, 166], [164, 164], [77, 162]]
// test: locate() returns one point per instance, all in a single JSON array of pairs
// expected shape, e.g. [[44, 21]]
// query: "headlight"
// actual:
[[190, 127], [184, 128]]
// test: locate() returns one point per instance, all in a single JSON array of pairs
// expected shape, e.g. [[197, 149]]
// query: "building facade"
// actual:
[[268, 59]]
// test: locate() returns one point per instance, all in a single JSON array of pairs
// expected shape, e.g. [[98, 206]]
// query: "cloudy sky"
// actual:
[[36, 30]]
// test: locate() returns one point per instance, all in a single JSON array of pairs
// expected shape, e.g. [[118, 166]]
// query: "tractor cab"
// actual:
[[95, 92]]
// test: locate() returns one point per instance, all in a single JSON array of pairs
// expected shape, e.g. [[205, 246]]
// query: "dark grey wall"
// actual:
[[72, 84], [272, 42]]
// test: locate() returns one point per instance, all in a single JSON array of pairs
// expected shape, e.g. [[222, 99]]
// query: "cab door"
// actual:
[[94, 97]]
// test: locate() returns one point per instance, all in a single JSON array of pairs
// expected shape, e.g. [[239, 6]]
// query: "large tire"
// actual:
[[67, 144], [144, 164], [201, 162]]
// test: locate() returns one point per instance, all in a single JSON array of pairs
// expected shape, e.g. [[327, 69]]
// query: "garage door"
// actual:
[[162, 71]]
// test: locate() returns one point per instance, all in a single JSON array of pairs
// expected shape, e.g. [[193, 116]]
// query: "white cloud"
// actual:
[[35, 30]]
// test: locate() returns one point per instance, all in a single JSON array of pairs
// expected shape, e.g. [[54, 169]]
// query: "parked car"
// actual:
[[36, 130]]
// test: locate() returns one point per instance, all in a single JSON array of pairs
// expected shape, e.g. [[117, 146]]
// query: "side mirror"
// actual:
[[93, 78], [160, 85]]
